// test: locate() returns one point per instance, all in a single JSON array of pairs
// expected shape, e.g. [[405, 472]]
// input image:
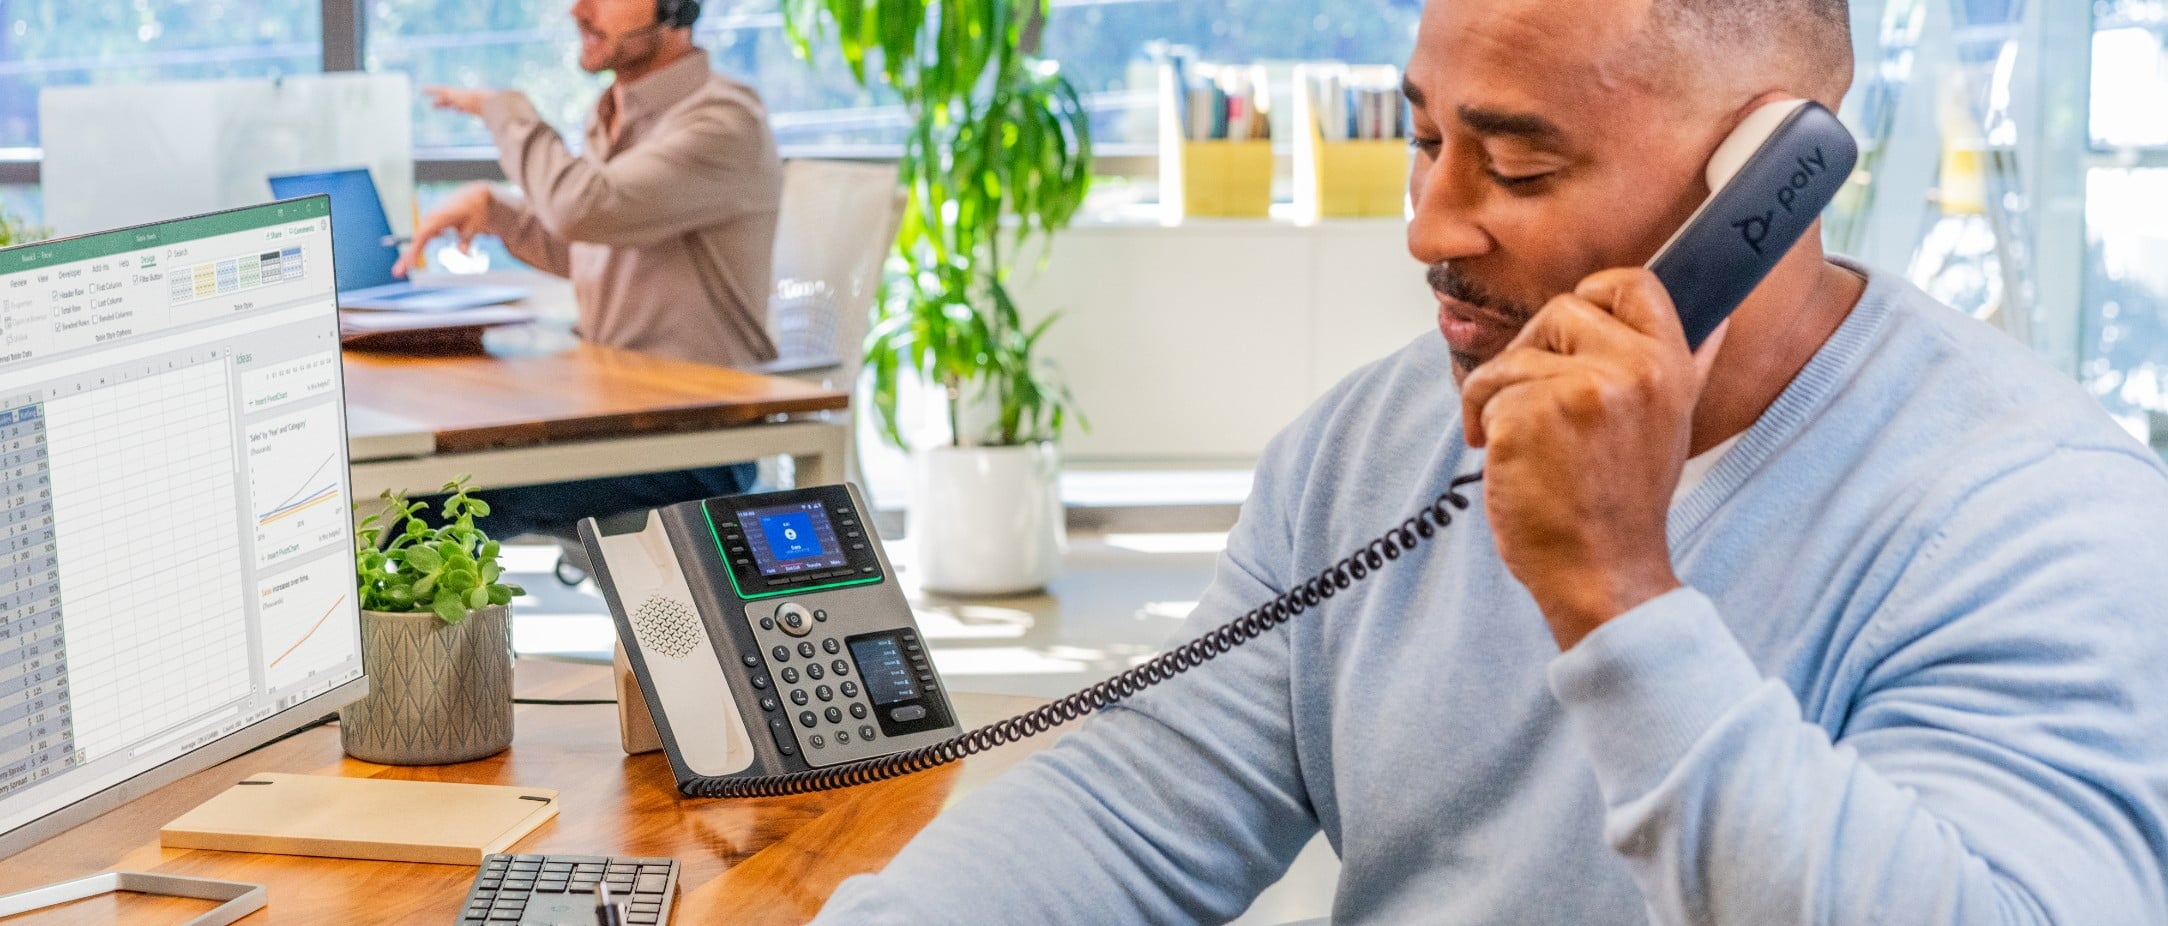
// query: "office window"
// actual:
[[2125, 326], [2126, 336], [1101, 44], [47, 43], [2130, 73], [530, 45], [21, 202]]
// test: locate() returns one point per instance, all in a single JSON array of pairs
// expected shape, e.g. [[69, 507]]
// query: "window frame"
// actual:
[[345, 31]]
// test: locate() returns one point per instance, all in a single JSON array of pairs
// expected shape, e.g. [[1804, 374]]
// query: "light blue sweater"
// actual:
[[1919, 675]]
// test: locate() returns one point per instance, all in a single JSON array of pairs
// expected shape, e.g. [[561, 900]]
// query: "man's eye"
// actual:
[[1517, 183], [1426, 145]]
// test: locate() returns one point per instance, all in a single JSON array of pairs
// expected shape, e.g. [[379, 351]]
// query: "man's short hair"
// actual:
[[1807, 42]]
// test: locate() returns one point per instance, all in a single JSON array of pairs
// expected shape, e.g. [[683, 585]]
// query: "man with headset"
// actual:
[[665, 223]]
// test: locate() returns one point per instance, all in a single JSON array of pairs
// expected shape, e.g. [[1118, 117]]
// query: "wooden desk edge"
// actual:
[[771, 860]]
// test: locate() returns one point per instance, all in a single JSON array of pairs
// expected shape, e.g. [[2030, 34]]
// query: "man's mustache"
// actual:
[[1444, 279]]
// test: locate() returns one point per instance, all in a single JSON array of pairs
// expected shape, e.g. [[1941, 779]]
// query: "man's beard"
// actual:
[[1444, 279]]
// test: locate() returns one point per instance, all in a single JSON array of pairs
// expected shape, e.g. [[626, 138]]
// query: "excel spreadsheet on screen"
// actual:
[[176, 538]]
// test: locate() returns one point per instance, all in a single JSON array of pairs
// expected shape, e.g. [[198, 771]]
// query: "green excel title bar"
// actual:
[[104, 244]]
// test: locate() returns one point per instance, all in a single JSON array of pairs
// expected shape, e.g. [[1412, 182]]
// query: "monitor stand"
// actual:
[[236, 899]]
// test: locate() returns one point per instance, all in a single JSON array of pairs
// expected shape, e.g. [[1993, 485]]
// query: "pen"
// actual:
[[607, 913]]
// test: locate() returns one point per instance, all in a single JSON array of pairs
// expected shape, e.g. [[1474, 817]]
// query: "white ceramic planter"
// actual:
[[987, 520]]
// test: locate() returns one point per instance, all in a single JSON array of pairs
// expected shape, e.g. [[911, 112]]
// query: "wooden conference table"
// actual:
[[540, 406], [741, 862]]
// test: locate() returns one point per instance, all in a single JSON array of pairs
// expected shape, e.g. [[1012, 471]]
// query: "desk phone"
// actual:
[[769, 636]]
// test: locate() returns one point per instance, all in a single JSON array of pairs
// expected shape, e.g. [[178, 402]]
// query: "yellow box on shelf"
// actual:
[[1352, 179], [1227, 179], [1350, 158]]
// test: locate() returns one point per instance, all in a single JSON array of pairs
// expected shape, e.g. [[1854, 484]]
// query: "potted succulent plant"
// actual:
[[435, 637], [998, 156]]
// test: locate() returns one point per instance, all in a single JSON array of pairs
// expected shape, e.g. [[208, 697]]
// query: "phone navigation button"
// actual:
[[794, 618]]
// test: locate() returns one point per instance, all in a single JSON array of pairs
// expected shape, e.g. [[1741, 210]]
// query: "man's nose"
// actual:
[[1444, 227]]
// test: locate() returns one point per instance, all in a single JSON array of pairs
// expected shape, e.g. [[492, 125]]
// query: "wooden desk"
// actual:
[[765, 861], [541, 407]]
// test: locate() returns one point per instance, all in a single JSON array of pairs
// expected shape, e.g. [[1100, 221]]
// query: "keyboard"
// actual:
[[559, 890]]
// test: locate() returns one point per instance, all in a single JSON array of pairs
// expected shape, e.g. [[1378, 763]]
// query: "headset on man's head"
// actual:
[[676, 14]]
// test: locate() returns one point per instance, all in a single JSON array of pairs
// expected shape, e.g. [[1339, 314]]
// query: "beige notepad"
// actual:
[[370, 818]]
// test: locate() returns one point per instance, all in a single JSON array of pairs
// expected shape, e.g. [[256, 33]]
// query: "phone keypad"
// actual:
[[832, 722], [828, 717]]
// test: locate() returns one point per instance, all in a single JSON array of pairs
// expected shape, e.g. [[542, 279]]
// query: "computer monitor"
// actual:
[[176, 541]]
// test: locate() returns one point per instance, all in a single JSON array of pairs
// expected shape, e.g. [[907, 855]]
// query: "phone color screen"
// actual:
[[793, 538]]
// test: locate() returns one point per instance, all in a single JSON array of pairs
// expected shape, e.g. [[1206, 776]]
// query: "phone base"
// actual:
[[635, 726]]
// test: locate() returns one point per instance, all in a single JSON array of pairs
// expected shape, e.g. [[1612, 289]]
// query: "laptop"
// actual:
[[364, 249]]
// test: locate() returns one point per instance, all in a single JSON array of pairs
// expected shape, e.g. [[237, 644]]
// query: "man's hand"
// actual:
[[1587, 415], [465, 214], [463, 100]]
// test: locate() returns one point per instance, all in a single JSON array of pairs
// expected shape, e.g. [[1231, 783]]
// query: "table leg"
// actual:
[[824, 464]]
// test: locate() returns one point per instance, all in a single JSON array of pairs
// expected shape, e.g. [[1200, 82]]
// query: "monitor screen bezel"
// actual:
[[240, 742]]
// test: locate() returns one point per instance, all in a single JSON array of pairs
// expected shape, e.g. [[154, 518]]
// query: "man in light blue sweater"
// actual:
[[1855, 617]]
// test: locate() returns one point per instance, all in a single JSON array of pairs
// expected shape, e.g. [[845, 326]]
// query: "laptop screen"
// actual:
[[359, 229]]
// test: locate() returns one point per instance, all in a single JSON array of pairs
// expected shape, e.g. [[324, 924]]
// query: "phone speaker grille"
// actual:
[[667, 627]]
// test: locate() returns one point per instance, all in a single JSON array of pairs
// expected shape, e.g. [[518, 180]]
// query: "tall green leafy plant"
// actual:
[[998, 155]]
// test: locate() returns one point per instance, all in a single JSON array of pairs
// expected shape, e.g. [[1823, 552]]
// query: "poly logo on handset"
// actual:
[[1755, 230]]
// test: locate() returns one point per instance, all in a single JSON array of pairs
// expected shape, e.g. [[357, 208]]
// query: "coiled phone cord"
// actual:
[[1402, 539]]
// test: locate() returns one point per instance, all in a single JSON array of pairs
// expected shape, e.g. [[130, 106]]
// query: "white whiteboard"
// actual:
[[124, 155]]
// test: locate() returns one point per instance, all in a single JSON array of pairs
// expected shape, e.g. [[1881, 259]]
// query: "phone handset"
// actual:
[[678, 660], [1769, 181]]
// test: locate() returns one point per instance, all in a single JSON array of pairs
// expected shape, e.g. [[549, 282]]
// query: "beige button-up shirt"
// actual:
[[665, 224]]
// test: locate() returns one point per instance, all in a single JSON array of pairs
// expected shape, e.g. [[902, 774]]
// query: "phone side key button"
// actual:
[[784, 742]]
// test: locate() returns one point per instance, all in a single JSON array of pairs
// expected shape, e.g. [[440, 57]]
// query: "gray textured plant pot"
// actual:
[[438, 693]]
